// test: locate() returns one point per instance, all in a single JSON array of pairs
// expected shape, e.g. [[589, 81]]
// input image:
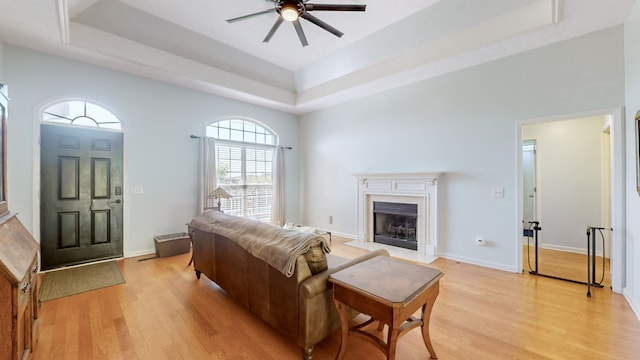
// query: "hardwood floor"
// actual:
[[164, 312], [565, 265]]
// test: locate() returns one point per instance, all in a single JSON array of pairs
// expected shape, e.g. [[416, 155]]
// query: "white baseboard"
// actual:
[[570, 249], [139, 253], [337, 233], [488, 264], [473, 261], [635, 306]]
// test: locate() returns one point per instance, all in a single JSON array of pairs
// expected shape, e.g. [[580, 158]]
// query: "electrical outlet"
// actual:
[[481, 242], [330, 219]]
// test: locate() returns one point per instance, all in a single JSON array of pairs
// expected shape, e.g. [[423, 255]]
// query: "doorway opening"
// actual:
[[529, 186], [570, 171]]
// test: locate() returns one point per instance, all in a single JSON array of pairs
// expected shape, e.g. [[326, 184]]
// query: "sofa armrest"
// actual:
[[319, 283]]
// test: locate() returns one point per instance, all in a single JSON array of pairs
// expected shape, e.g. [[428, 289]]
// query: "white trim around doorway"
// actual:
[[618, 222], [37, 121]]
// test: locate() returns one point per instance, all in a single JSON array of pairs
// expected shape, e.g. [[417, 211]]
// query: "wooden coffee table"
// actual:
[[390, 291]]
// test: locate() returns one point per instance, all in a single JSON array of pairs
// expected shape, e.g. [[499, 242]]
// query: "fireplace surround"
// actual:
[[413, 190]]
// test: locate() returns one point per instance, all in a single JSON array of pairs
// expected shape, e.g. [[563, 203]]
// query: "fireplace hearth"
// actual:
[[395, 224]]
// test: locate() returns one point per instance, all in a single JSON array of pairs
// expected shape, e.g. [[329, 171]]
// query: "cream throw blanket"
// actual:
[[276, 246]]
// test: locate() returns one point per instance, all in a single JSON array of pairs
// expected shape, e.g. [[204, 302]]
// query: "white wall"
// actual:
[[157, 121], [462, 123], [632, 72], [2, 79], [568, 180]]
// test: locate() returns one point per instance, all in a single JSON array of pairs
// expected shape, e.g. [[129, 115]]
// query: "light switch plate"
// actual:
[[497, 192]]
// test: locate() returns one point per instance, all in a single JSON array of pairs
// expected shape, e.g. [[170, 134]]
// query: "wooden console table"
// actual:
[[390, 291]]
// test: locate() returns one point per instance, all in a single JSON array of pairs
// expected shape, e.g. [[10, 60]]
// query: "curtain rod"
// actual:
[[198, 137]]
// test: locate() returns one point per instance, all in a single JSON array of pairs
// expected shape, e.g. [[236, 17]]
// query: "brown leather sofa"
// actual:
[[300, 306]]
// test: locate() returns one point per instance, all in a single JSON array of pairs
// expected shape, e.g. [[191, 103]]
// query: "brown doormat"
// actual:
[[61, 283]]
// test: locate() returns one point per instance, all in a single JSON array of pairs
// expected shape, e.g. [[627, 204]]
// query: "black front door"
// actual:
[[81, 195]]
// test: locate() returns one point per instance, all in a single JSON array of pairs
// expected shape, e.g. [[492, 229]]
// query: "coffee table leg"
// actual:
[[392, 340], [344, 325], [426, 316]]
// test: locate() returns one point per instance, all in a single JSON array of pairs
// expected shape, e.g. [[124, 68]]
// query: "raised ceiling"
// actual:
[[393, 43]]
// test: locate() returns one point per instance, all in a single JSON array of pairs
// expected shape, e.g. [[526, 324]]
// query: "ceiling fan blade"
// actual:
[[322, 24], [303, 39], [273, 30], [244, 17], [334, 7]]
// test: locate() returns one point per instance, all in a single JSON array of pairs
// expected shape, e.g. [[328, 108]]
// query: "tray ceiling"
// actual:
[[392, 43]]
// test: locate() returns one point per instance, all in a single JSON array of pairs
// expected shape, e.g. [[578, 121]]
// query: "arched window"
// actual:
[[244, 157], [81, 113]]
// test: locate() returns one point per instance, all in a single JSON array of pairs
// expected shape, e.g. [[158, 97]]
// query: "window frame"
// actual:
[[262, 190], [53, 118]]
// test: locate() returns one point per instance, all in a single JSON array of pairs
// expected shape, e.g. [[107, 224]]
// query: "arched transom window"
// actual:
[[244, 157], [81, 113]]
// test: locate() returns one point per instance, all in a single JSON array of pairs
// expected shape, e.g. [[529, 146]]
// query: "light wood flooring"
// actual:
[[164, 312]]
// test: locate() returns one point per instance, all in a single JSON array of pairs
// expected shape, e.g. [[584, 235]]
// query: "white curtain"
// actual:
[[278, 216], [208, 173]]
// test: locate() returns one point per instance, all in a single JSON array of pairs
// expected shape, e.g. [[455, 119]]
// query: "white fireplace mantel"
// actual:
[[410, 188]]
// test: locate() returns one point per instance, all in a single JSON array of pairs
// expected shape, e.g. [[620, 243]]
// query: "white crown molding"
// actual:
[[63, 15]]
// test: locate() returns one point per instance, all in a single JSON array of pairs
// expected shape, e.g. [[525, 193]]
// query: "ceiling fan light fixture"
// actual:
[[292, 10], [289, 12]]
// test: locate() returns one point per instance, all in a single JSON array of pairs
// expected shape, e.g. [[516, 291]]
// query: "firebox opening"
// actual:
[[395, 224]]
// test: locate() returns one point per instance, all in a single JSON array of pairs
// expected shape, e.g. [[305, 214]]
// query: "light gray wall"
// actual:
[[569, 186], [2, 79], [632, 72], [462, 123], [157, 121]]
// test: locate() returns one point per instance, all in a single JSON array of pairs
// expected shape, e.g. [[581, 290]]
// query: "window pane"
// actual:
[[226, 124], [81, 113], [60, 109], [236, 135], [75, 109], [259, 166], [100, 114], [244, 170], [84, 121], [241, 131], [212, 131], [229, 160], [269, 139], [259, 200], [237, 125]]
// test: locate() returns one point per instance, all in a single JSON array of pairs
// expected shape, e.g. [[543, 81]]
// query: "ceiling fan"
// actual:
[[293, 10]]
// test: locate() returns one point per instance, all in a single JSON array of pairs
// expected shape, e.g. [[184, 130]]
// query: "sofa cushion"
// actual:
[[316, 259]]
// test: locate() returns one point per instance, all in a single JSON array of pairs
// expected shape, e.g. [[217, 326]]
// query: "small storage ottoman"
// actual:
[[172, 244]]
